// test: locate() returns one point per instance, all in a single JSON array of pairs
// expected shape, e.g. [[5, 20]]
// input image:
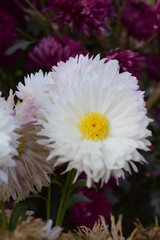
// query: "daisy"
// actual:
[[36, 85], [31, 170], [7, 134], [98, 120]]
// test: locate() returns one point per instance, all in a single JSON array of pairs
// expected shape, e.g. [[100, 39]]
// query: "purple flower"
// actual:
[[157, 16], [86, 213], [128, 60], [152, 66], [51, 50], [157, 115], [12, 9], [7, 30], [86, 16], [138, 18]]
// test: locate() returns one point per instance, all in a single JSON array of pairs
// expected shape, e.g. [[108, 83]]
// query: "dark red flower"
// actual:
[[152, 66], [51, 50], [7, 30], [86, 213], [157, 16], [86, 16], [128, 60], [138, 18]]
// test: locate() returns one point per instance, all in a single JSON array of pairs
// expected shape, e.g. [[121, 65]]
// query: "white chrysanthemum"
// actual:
[[31, 170], [7, 134], [38, 86], [98, 121], [50, 233]]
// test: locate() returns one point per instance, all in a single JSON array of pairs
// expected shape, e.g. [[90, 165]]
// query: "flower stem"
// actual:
[[65, 197], [146, 43], [4, 218], [49, 202], [154, 97]]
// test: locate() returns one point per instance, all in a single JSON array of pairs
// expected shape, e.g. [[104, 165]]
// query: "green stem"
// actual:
[[4, 218], [145, 44], [49, 202], [65, 197], [118, 19]]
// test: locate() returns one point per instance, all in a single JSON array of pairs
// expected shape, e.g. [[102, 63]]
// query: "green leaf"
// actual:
[[82, 183], [21, 44], [53, 181], [36, 197], [76, 198], [18, 214]]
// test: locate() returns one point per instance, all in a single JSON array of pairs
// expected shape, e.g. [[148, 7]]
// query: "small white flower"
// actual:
[[36, 86], [50, 233], [7, 134], [98, 120], [32, 169]]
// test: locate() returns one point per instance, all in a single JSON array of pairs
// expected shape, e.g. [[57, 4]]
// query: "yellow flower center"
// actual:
[[94, 126], [21, 145]]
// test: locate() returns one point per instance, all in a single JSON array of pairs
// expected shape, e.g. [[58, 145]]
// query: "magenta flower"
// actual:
[[152, 66], [128, 60], [157, 114], [86, 16], [138, 18], [157, 15], [86, 213], [7, 30], [51, 50]]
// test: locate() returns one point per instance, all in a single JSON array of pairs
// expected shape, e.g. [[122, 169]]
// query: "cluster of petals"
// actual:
[[128, 60], [136, 15], [157, 16], [66, 102], [7, 30], [82, 86], [51, 50], [30, 170], [86, 16], [7, 134]]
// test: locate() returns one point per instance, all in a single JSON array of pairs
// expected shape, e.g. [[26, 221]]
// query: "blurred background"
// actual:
[[36, 34]]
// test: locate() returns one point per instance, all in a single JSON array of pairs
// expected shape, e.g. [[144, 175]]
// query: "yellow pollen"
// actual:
[[21, 145], [94, 126]]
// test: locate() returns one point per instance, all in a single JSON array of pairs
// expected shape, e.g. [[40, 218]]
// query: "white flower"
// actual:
[[7, 134], [50, 233], [36, 86], [98, 121], [32, 169]]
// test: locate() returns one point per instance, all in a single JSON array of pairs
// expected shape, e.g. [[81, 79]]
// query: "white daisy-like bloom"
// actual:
[[98, 120], [37, 85], [50, 233], [32, 169], [7, 134]]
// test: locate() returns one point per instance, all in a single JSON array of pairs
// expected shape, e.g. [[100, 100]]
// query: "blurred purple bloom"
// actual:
[[86, 213], [11, 8], [152, 66], [157, 114], [138, 18], [157, 16], [87, 16], [51, 50], [128, 60], [7, 30]]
